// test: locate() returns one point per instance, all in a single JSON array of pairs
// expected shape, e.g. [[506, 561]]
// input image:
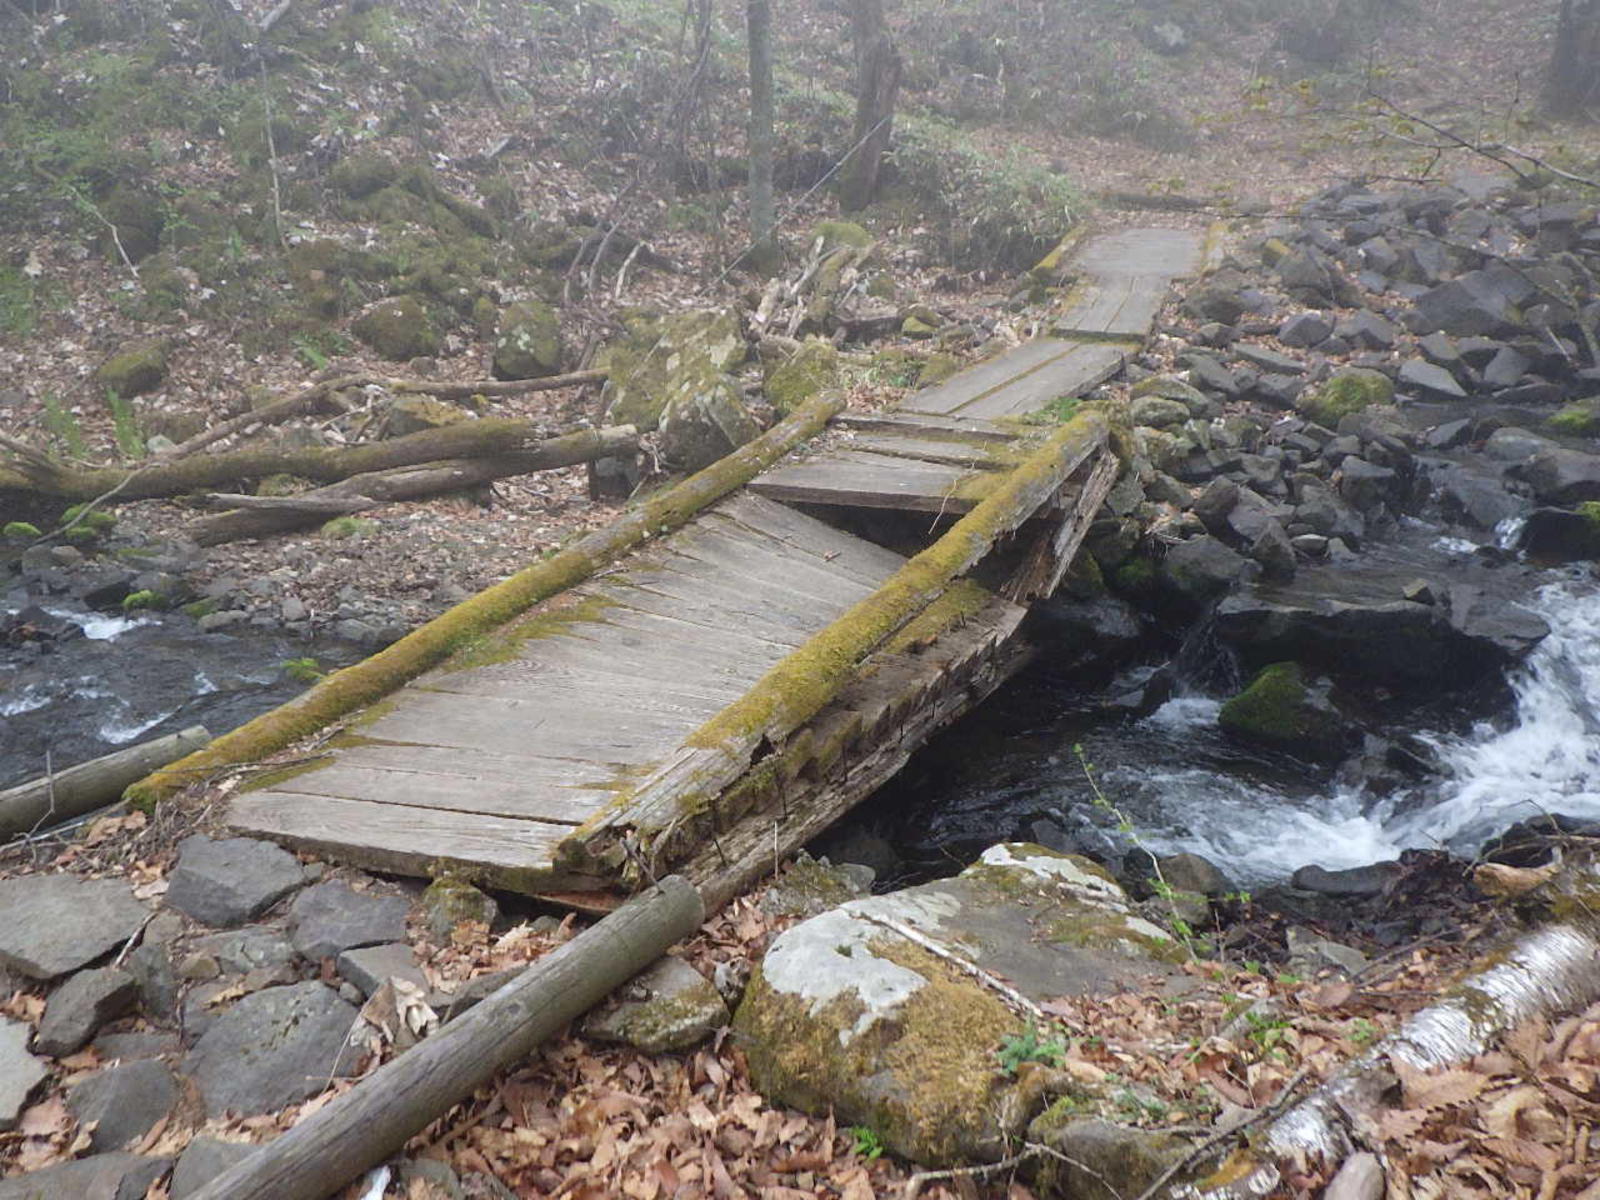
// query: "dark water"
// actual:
[[132, 679]]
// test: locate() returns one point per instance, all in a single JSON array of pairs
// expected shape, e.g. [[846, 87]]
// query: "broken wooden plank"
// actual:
[[959, 391], [926, 424], [857, 479], [951, 452]]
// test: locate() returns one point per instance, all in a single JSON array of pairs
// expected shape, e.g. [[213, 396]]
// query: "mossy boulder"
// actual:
[[812, 369], [398, 329], [1098, 1157], [669, 1008], [835, 234], [528, 344], [1581, 419], [1284, 710], [705, 419], [662, 357], [136, 368], [360, 175], [936, 368], [1347, 391], [846, 1014]]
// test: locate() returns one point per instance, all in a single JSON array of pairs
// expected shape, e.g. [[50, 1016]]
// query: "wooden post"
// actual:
[[85, 787], [374, 1120]]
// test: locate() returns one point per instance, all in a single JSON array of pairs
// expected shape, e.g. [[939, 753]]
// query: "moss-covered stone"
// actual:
[[1282, 710], [398, 329], [450, 902], [1347, 391], [139, 215], [361, 175], [135, 369], [348, 528], [936, 368], [704, 420], [663, 358], [1095, 1156], [528, 344], [835, 234], [413, 414], [1577, 420], [812, 369], [671, 1007]]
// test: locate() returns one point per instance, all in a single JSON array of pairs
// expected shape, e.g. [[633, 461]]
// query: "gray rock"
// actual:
[[1202, 568], [218, 621], [103, 1177], [1506, 369], [1268, 359], [255, 947], [1277, 391], [670, 1007], [1558, 535], [1473, 303], [1561, 476], [81, 1005], [470, 994], [1441, 350], [810, 886], [370, 967], [1366, 330], [1509, 444], [1217, 301], [1157, 412], [1474, 498], [1359, 1178], [1207, 373], [700, 425], [1355, 881], [1273, 550], [1319, 953], [228, 881], [202, 1161], [273, 1048], [1305, 330], [1366, 486], [1099, 1157], [332, 917], [448, 902], [57, 923], [20, 1072], [123, 1102], [1194, 873], [1431, 379]]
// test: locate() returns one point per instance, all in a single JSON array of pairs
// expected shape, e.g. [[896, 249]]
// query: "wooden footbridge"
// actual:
[[720, 695]]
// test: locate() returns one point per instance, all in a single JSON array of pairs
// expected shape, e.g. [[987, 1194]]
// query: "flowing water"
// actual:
[[130, 679], [1185, 786]]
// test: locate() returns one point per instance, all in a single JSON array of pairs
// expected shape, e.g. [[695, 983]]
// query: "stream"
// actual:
[[1013, 768], [129, 679]]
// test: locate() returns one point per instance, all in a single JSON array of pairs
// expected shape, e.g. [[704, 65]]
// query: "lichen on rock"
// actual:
[[528, 343], [812, 369]]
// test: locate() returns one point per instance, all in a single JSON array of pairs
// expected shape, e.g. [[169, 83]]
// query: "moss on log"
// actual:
[[354, 687]]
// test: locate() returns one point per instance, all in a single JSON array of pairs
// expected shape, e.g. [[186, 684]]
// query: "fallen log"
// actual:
[[309, 398], [85, 787], [375, 1119], [322, 464], [354, 687], [256, 516]]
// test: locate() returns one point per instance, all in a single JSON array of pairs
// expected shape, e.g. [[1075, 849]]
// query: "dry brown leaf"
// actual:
[[1402, 1124], [1442, 1089]]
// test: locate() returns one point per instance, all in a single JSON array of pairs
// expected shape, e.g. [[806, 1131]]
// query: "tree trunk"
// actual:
[[1573, 85], [87, 786], [254, 516], [763, 255], [375, 1119], [877, 85], [492, 436]]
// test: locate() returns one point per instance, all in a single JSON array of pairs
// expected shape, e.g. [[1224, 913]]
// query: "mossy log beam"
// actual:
[[254, 516], [356, 686], [317, 395], [495, 436], [380, 1114], [685, 790]]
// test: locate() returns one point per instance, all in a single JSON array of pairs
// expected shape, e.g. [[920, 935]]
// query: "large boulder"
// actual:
[[1283, 710], [848, 1014], [1477, 303], [397, 328], [57, 923], [661, 358], [1561, 476], [808, 371], [136, 368], [528, 343], [703, 421]]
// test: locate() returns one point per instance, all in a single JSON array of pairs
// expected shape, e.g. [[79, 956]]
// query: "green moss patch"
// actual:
[[1348, 391]]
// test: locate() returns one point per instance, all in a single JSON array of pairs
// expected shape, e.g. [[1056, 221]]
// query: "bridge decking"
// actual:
[[510, 762]]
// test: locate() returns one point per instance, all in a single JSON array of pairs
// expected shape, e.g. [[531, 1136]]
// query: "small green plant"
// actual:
[[865, 1141], [1180, 927], [303, 670], [1030, 1046], [125, 425], [1136, 1108], [143, 598], [1267, 1031], [63, 427], [309, 351], [1363, 1032], [1058, 412], [20, 531]]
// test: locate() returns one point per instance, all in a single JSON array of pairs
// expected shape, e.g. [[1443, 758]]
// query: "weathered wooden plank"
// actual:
[[956, 425], [544, 673], [530, 769], [744, 603], [1086, 366], [796, 532], [648, 659], [461, 791], [510, 726], [1127, 278], [816, 590], [691, 633], [734, 549], [1054, 550], [409, 840], [628, 693], [861, 480], [960, 390], [948, 452]]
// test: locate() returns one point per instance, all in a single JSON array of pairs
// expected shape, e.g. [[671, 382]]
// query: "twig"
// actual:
[[915, 1184], [1216, 1139], [272, 145], [622, 275], [133, 938], [1010, 994]]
